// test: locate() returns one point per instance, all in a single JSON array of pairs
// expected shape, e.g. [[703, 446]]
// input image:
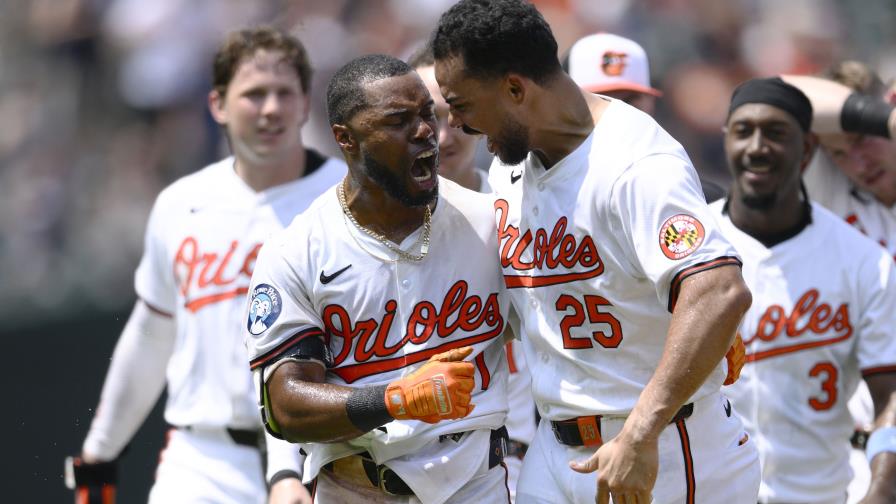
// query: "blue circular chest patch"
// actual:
[[263, 309]]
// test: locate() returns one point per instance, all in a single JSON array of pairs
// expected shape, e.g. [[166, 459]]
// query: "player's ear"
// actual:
[[344, 137], [216, 106], [515, 85], [306, 109], [810, 144]]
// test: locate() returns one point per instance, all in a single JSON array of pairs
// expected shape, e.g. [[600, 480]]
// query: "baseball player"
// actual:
[[383, 351], [614, 66], [456, 163], [809, 337], [628, 294], [202, 240], [854, 176]]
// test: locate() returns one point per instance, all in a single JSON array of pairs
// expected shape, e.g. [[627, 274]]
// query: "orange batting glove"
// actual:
[[735, 357], [439, 390]]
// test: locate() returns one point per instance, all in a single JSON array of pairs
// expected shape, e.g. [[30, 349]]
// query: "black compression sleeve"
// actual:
[[866, 115], [366, 408]]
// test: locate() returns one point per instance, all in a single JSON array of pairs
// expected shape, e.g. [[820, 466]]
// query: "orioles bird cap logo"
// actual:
[[613, 63], [680, 236]]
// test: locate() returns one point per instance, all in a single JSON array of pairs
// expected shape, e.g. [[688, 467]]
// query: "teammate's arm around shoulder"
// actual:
[[305, 409]]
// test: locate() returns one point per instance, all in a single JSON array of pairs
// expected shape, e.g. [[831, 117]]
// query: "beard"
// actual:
[[759, 202], [392, 184], [513, 143]]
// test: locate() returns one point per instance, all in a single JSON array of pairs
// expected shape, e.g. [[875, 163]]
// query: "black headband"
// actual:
[[777, 93]]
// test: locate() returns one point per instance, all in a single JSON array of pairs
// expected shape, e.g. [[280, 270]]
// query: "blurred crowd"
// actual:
[[103, 103]]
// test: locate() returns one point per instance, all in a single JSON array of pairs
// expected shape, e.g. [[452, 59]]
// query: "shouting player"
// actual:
[[628, 293], [810, 337], [383, 350], [202, 239], [456, 163]]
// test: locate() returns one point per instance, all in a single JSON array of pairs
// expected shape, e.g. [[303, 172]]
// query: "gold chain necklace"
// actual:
[[427, 220]]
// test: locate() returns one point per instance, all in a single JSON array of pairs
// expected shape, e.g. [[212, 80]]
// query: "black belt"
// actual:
[[242, 437], [585, 431], [391, 483], [859, 439]]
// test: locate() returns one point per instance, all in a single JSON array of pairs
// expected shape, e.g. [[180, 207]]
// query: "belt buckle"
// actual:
[[381, 477]]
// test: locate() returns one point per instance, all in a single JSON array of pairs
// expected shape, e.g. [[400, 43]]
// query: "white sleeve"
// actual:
[[134, 382], [279, 312], [668, 227], [282, 456], [877, 316], [154, 278], [826, 184]]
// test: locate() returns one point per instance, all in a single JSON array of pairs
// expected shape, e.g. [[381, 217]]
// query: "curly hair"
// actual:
[[244, 43], [345, 93], [497, 37], [858, 76]]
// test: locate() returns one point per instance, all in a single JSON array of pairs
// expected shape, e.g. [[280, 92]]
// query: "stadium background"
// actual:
[[102, 103]]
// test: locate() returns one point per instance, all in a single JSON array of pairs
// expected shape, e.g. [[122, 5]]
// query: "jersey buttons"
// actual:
[[405, 283], [541, 186], [535, 210]]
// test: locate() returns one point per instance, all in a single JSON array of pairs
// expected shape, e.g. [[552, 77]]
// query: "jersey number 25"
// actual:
[[592, 307]]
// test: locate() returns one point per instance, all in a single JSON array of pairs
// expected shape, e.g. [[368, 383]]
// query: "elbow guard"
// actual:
[[866, 115]]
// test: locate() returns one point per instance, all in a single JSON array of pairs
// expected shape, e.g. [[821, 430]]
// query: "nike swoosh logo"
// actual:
[[325, 279], [727, 407], [515, 176]]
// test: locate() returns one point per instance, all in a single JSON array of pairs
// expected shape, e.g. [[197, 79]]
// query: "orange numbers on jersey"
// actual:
[[828, 372], [576, 318]]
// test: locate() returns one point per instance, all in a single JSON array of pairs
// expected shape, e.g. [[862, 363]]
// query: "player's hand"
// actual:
[[93, 483], [735, 357], [628, 470], [289, 491], [439, 390]]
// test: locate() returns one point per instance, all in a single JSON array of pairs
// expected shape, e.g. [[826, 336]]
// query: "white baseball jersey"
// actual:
[[830, 187], [594, 250], [823, 315], [382, 318], [202, 239]]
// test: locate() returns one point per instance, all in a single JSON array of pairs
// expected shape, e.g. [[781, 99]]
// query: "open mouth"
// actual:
[[423, 170]]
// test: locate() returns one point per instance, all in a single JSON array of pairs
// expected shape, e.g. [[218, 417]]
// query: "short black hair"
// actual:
[[345, 94], [497, 37]]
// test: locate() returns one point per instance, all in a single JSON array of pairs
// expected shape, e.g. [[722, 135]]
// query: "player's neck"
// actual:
[[262, 175], [566, 116], [377, 211], [785, 218]]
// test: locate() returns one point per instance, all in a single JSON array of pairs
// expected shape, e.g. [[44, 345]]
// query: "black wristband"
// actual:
[[866, 115], [282, 475], [366, 408]]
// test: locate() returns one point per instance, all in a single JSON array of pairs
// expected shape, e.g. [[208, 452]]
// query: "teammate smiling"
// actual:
[[809, 337]]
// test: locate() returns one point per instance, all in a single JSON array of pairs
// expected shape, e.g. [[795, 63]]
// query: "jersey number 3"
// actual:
[[610, 339], [828, 386]]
